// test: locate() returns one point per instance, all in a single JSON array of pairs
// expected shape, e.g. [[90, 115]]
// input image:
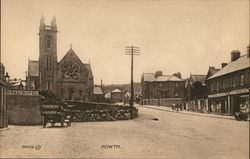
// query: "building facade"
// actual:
[[98, 94], [196, 93], [117, 95], [3, 105], [228, 89], [69, 78], [159, 89]]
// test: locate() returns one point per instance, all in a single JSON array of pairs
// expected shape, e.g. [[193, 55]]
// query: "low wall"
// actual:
[[197, 105], [162, 102], [23, 107]]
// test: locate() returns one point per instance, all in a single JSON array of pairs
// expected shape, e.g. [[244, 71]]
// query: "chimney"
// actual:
[[158, 73], [223, 65], [235, 54]]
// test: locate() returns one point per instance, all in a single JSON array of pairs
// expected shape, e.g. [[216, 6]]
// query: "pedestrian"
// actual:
[[177, 107], [173, 107]]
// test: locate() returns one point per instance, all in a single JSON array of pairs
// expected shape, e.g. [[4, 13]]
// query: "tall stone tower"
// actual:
[[48, 55]]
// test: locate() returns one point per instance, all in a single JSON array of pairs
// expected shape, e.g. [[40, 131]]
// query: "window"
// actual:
[[62, 92], [48, 85], [48, 43], [230, 81], [234, 81], [242, 80], [80, 92], [224, 84], [160, 85], [211, 87], [176, 94], [217, 86], [49, 63]]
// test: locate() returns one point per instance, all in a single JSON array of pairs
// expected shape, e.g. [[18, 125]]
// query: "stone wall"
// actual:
[[23, 107], [162, 102]]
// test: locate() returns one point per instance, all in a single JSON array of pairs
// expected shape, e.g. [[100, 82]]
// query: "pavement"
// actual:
[[164, 108], [3, 129], [171, 136]]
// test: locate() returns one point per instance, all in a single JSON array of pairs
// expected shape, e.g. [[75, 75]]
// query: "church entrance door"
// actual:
[[71, 92]]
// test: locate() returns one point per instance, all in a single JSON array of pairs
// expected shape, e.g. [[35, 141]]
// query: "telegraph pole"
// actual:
[[132, 50]]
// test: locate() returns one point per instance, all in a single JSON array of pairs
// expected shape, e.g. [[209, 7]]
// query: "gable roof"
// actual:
[[33, 68], [241, 63], [116, 91], [211, 71], [90, 75], [195, 78], [71, 53], [98, 90]]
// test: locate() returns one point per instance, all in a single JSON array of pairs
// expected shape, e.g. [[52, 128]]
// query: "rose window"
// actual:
[[71, 71]]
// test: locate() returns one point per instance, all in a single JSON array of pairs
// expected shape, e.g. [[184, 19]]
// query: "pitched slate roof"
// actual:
[[167, 78], [33, 68], [242, 63], [150, 77], [70, 53], [98, 90]]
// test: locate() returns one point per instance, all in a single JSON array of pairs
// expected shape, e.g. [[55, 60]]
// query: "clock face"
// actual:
[[71, 71]]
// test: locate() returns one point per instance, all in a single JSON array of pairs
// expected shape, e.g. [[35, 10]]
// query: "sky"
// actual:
[[173, 36]]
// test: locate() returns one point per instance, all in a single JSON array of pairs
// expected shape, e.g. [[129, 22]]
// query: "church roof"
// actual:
[[71, 53], [98, 90], [33, 68]]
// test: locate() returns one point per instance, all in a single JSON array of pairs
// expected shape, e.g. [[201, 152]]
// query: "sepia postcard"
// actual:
[[125, 79]]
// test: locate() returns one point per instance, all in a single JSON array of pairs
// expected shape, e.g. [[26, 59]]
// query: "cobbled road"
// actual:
[[172, 136]]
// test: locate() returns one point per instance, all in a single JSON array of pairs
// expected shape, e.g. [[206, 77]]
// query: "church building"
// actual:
[[69, 78]]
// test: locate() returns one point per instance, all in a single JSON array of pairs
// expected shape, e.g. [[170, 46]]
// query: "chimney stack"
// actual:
[[235, 54], [158, 73], [223, 65]]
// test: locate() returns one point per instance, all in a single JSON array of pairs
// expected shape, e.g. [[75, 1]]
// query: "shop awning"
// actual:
[[217, 95], [239, 91]]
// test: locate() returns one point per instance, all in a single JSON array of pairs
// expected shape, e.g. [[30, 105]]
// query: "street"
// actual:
[[173, 135]]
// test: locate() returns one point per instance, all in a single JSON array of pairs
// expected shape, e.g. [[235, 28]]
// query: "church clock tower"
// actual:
[[48, 55]]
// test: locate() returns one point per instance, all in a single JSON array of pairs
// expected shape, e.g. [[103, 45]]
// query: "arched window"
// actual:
[[48, 43]]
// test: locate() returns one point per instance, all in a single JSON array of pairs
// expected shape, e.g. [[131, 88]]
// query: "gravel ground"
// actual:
[[173, 135]]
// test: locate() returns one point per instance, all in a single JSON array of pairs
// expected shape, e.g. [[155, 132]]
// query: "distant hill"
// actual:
[[122, 87]]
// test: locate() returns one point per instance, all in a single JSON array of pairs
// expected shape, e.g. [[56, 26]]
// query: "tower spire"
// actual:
[[42, 21], [53, 21]]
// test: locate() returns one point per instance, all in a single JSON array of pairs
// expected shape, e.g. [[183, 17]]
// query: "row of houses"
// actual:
[[223, 91]]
